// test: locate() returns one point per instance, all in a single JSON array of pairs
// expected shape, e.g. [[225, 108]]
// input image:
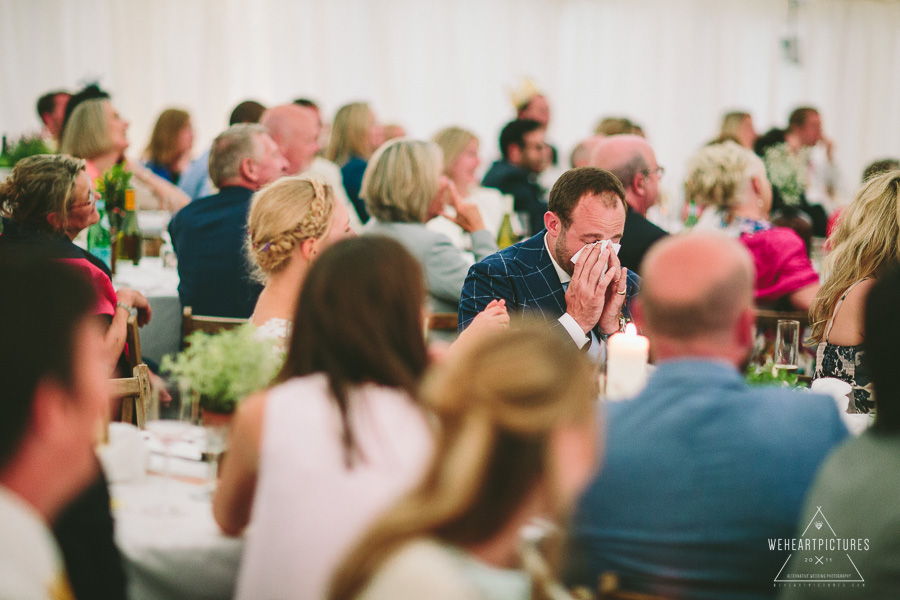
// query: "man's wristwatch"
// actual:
[[132, 311]]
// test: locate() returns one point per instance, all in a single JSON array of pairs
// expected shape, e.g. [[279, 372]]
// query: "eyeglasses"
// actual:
[[92, 200], [660, 170]]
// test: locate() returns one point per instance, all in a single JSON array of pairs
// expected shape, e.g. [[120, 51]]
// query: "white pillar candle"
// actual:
[[626, 363]]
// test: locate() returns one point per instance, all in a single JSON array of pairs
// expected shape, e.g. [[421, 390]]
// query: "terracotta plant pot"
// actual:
[[215, 419]]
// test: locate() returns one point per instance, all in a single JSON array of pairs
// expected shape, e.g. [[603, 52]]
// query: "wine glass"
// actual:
[[170, 422], [787, 345], [216, 443]]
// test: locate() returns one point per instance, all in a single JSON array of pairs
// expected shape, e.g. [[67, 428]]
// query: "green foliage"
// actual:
[[223, 368], [25, 146], [767, 374], [112, 185]]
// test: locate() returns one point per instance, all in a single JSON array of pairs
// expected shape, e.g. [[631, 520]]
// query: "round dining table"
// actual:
[[171, 546]]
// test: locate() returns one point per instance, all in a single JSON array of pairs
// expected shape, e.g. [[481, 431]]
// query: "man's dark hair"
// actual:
[[879, 167], [514, 133], [799, 115], [306, 103], [248, 111], [46, 103], [575, 183], [42, 303], [91, 92], [882, 328]]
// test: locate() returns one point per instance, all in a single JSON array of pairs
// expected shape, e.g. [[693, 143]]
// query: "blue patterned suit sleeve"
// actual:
[[486, 281]]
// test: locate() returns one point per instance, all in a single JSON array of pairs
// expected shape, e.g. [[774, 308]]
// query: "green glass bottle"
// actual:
[[505, 236], [128, 246], [99, 243]]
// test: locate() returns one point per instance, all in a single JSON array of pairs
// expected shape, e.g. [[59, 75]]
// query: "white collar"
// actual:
[[563, 276]]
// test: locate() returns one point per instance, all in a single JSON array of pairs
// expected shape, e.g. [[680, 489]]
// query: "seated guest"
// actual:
[[522, 148], [54, 395], [51, 108], [608, 126], [291, 222], [852, 488], [632, 160], [581, 155], [517, 441], [313, 460], [460, 150], [296, 131], [94, 131], [537, 276], [195, 180], [865, 244], [47, 201], [403, 189], [732, 182], [208, 235], [327, 171], [169, 150], [355, 135], [738, 127], [700, 468]]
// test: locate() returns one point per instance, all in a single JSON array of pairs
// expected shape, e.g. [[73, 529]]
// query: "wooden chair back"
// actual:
[[443, 322], [768, 319], [133, 343], [191, 323], [134, 393]]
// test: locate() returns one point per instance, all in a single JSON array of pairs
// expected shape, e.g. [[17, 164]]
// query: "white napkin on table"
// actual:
[[124, 458]]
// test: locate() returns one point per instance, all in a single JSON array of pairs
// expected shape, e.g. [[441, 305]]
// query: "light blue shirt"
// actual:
[[700, 470], [195, 180]]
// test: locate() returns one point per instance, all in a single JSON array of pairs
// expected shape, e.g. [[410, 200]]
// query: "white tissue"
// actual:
[[602, 243]]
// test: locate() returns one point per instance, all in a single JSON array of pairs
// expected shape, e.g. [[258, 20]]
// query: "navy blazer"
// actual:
[[208, 237], [523, 275]]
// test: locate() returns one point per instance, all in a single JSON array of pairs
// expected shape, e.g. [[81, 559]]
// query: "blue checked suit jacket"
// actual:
[[523, 275]]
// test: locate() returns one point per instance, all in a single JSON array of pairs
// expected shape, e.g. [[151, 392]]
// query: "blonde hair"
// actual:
[[162, 148], [350, 134], [402, 179], [718, 174], [38, 186], [497, 403], [87, 131], [282, 216], [453, 141], [865, 243], [731, 125]]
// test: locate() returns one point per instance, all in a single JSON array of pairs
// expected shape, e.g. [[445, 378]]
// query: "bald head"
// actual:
[[296, 131], [581, 155], [698, 288], [629, 157]]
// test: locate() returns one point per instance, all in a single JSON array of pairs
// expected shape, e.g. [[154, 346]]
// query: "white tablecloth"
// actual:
[[162, 335], [172, 557]]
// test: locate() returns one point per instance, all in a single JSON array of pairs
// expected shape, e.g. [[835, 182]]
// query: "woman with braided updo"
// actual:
[[730, 181], [291, 222]]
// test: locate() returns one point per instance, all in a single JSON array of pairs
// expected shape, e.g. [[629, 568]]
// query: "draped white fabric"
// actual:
[[674, 66]]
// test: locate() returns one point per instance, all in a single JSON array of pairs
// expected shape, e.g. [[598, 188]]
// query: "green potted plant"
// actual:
[[220, 369]]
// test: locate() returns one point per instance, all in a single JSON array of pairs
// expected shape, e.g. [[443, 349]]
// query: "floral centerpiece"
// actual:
[[112, 185], [768, 374], [787, 172], [220, 369]]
